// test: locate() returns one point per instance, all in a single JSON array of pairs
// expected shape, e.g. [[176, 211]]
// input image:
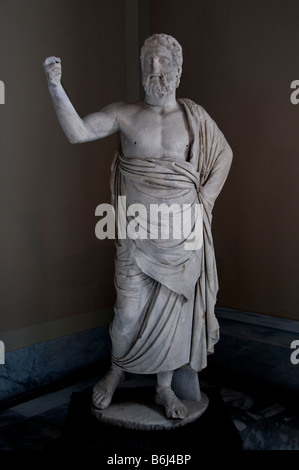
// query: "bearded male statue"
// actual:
[[171, 152]]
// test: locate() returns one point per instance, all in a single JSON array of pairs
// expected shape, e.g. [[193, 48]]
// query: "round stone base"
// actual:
[[148, 416]]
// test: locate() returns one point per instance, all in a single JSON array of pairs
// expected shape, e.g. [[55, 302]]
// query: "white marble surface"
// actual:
[[144, 415], [171, 152]]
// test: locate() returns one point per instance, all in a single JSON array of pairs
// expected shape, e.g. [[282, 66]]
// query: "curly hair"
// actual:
[[167, 41]]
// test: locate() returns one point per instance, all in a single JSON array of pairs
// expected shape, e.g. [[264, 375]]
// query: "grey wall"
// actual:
[[240, 57], [53, 268], [239, 60]]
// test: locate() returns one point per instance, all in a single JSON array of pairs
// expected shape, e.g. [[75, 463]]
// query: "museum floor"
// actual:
[[263, 421]]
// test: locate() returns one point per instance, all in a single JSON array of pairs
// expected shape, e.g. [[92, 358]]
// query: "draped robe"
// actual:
[[164, 312]]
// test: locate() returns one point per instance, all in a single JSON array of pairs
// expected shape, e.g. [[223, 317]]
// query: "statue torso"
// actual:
[[153, 132]]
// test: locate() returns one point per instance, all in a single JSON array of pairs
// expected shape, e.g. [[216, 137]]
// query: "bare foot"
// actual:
[[174, 408], [104, 389]]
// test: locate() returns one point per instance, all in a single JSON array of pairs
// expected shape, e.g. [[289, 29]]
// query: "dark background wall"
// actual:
[[240, 57], [239, 60], [52, 265]]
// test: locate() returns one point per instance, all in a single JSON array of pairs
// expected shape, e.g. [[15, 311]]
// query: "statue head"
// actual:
[[167, 54]]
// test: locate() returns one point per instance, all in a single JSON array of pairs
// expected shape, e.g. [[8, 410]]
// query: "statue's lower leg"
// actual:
[[165, 396]]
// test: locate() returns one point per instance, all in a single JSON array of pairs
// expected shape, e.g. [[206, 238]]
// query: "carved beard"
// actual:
[[159, 86]]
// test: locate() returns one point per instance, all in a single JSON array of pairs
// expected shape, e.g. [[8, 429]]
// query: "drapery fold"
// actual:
[[166, 294]]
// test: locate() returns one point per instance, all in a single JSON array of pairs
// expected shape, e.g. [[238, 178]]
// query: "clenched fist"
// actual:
[[52, 67]]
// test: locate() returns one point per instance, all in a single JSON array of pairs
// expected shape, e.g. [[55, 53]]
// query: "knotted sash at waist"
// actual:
[[164, 173], [166, 189]]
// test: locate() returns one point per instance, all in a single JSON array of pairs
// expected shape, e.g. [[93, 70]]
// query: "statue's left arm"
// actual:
[[218, 158]]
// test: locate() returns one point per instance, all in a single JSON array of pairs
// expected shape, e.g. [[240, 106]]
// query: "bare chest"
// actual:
[[149, 134]]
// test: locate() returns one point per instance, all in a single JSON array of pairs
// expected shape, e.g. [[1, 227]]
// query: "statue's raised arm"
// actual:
[[92, 127]]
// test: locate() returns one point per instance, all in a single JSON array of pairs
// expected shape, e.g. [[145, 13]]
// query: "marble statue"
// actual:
[[171, 151]]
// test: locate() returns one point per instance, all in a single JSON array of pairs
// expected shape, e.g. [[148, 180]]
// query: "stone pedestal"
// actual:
[[145, 415], [139, 410], [213, 431]]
